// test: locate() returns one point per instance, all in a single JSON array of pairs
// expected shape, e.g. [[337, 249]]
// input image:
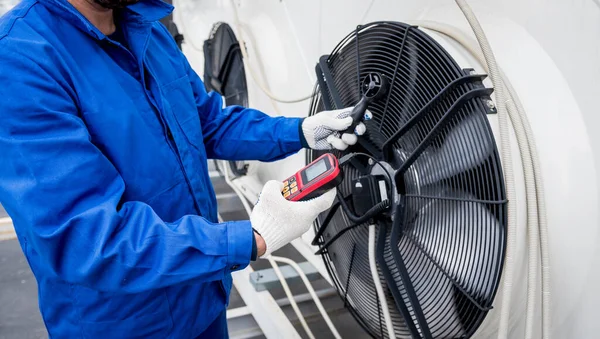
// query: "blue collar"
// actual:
[[143, 12], [148, 11]]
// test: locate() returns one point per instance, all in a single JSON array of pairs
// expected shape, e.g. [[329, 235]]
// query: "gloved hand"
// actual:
[[279, 221], [322, 130]]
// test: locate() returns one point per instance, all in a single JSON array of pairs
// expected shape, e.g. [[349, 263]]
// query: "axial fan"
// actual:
[[224, 73], [440, 246]]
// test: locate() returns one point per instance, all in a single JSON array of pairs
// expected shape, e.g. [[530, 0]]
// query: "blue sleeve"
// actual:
[[238, 133], [64, 197], [254, 250]]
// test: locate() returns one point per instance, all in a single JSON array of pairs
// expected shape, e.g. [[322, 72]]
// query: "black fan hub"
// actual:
[[375, 86]]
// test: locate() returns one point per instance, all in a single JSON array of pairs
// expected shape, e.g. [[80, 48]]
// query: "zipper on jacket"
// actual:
[[141, 73], [167, 129]]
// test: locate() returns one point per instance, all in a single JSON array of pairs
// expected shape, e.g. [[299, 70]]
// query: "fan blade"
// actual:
[[436, 299], [440, 165], [450, 248], [463, 241]]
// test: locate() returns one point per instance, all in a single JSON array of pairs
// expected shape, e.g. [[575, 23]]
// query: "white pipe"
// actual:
[[272, 259], [542, 218], [295, 266], [290, 296], [300, 298], [309, 71], [536, 200], [506, 162], [532, 230], [183, 28], [528, 169], [235, 188], [252, 71], [260, 68], [378, 287], [284, 284]]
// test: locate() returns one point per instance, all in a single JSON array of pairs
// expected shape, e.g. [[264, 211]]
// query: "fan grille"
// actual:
[[225, 74], [441, 252]]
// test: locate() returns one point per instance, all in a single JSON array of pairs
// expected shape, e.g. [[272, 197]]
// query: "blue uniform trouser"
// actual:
[[216, 330]]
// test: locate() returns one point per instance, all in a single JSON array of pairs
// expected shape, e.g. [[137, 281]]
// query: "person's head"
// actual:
[[115, 4]]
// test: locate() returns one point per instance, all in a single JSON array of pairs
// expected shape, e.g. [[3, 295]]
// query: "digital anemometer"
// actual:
[[325, 172]]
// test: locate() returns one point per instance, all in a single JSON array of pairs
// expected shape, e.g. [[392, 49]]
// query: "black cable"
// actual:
[[343, 160], [373, 211], [380, 207], [357, 220]]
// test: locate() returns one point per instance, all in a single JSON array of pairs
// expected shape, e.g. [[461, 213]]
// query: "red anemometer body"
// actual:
[[313, 180], [325, 173]]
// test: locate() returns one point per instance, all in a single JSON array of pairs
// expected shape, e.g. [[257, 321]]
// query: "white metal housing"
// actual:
[[550, 51]]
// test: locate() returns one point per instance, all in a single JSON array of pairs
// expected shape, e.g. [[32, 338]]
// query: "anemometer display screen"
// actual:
[[313, 180], [315, 170]]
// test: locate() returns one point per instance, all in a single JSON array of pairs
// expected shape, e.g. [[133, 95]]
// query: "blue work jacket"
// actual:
[[103, 169]]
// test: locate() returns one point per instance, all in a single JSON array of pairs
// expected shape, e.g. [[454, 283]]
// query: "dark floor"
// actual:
[[19, 313], [20, 317]]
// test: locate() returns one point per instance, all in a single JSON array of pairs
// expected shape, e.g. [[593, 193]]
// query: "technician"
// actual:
[[105, 132]]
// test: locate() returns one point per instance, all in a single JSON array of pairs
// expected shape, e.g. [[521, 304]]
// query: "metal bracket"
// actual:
[[422, 113], [269, 316], [266, 279], [323, 87], [330, 86], [7, 231]]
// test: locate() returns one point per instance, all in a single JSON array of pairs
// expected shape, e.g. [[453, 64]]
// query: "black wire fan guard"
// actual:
[[225, 74], [440, 251]]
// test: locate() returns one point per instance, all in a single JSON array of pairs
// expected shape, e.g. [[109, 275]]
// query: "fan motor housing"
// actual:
[[367, 192]]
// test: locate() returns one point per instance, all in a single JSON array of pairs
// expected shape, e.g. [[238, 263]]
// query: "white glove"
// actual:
[[321, 130], [279, 221]]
